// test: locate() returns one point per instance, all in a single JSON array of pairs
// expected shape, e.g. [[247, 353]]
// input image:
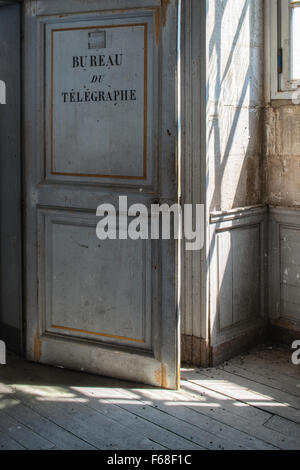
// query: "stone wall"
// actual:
[[282, 155], [234, 102]]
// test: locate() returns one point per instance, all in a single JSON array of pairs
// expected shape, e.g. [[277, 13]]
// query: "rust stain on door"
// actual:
[[158, 377], [178, 377], [164, 8], [161, 376], [157, 25], [37, 347]]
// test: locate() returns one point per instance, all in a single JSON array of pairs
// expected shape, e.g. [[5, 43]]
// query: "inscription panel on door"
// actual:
[[100, 80]]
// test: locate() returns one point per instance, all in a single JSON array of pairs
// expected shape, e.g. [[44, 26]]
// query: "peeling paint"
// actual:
[[31, 8], [157, 377], [163, 376], [178, 377]]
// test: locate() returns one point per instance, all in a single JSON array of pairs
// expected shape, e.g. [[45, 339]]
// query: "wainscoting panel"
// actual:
[[284, 268], [238, 256]]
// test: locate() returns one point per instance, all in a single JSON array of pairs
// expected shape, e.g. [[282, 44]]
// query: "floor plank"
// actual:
[[90, 426], [178, 404], [268, 373], [221, 402], [58, 436], [280, 391], [283, 426], [7, 443], [251, 402], [127, 416], [221, 435], [254, 428], [246, 391], [22, 434]]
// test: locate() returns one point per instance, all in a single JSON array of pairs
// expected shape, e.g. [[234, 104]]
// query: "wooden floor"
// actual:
[[251, 402]]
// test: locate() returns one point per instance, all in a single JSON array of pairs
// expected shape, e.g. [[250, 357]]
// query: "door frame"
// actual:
[[195, 329]]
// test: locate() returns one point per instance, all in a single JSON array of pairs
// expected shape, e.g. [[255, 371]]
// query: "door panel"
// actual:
[[100, 122], [80, 273]]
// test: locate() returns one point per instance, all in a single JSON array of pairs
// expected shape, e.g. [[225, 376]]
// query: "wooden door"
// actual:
[[100, 122]]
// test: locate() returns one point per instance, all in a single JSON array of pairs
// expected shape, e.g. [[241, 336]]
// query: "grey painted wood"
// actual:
[[108, 308], [72, 255], [11, 321], [290, 272], [194, 264], [247, 282], [53, 7], [237, 272], [284, 266], [225, 279]]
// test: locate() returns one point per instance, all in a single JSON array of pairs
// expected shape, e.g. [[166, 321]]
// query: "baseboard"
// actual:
[[194, 351], [285, 332], [234, 347]]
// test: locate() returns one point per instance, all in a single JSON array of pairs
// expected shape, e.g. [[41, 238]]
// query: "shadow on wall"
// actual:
[[235, 115], [235, 108]]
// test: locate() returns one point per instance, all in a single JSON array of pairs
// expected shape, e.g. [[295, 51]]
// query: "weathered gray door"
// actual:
[[100, 122]]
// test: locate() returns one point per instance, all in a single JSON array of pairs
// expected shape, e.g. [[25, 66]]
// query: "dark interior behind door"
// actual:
[[10, 179]]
